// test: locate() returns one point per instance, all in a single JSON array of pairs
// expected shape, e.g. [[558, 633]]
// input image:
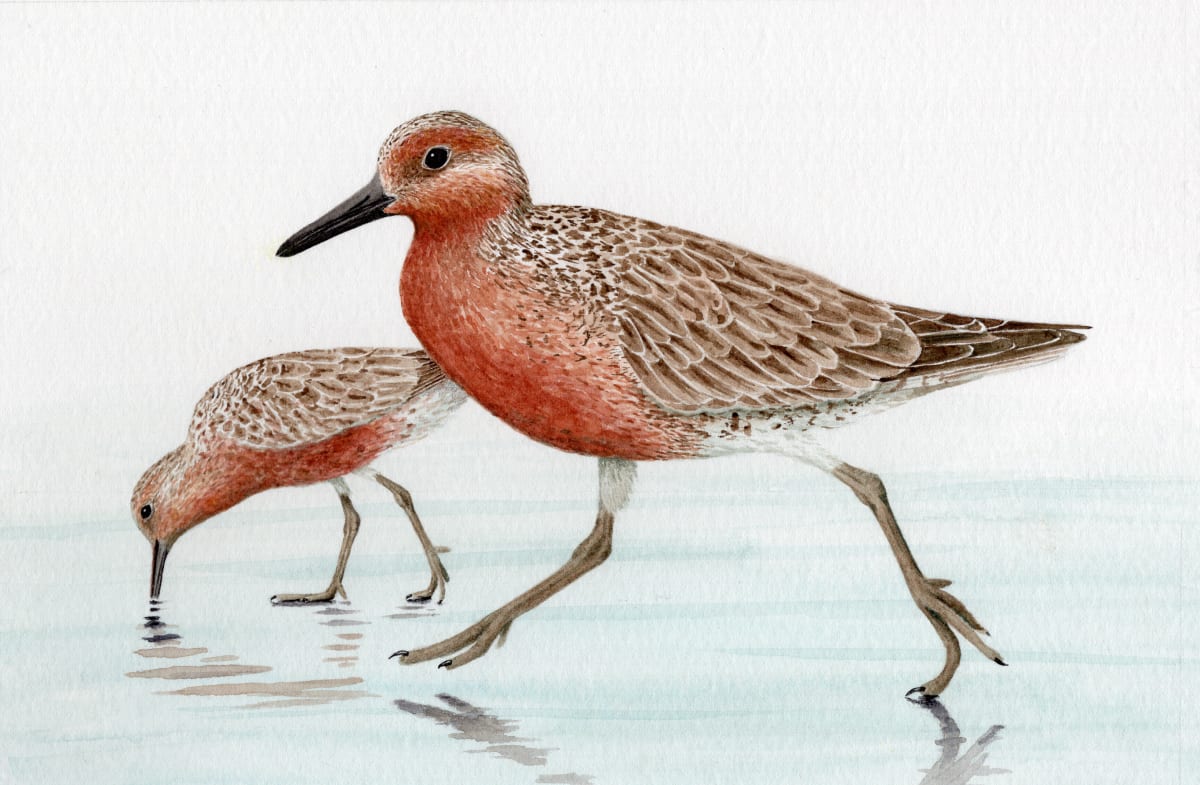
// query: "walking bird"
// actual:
[[621, 338], [296, 419]]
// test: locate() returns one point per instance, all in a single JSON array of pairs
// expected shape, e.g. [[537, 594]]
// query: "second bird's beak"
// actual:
[[364, 206], [158, 561]]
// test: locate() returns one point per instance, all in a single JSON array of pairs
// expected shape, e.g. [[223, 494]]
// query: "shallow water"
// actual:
[[777, 647]]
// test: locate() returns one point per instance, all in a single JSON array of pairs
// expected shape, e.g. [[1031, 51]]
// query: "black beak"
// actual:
[[364, 206], [158, 561]]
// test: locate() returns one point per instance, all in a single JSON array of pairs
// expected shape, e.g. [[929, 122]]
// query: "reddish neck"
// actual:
[[447, 288], [215, 482]]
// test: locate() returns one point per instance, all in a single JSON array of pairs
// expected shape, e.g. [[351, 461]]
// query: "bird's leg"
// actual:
[[349, 532], [616, 481], [480, 636], [438, 577], [944, 611]]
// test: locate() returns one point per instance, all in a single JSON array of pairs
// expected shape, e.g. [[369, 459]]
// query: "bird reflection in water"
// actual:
[[213, 669], [498, 735], [951, 768]]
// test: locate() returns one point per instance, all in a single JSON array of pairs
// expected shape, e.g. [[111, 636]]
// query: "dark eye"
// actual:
[[146, 511], [436, 157]]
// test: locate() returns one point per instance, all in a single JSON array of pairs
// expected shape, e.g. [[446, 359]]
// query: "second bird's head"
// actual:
[[438, 169], [164, 506]]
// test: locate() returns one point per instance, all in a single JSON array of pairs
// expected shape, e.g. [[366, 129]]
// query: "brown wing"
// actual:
[[959, 348], [305, 397], [709, 327]]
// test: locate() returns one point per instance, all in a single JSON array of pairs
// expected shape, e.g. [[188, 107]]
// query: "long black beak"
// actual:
[[364, 206], [158, 561]]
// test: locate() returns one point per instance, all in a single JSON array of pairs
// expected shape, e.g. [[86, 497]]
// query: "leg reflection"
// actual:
[[471, 723], [951, 768], [176, 662]]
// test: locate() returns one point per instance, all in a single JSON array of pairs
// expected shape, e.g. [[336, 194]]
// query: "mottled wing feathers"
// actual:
[[708, 327], [305, 397]]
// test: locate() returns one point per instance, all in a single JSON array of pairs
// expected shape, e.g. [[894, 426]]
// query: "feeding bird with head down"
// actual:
[[296, 419]]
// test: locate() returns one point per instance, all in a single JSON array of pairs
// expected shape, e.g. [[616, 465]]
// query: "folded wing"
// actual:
[[305, 397], [708, 327]]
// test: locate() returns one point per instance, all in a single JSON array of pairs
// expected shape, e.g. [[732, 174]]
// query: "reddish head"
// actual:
[[440, 169], [176, 494]]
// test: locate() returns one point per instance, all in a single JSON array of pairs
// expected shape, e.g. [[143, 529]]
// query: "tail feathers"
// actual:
[[956, 349]]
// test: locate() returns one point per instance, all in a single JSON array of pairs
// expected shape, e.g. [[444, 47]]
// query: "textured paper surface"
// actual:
[[993, 159]]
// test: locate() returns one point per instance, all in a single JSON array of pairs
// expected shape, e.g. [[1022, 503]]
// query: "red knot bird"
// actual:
[[621, 338], [297, 419]]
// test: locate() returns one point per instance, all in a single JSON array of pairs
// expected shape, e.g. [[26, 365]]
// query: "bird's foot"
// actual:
[[949, 616], [304, 599], [470, 644], [920, 695], [931, 595], [438, 577], [425, 595]]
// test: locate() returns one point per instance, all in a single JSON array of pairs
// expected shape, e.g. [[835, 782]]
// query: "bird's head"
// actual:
[[161, 511], [439, 168]]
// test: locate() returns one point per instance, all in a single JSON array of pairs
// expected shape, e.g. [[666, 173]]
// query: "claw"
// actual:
[[445, 664], [417, 598], [921, 695], [1000, 661], [401, 654]]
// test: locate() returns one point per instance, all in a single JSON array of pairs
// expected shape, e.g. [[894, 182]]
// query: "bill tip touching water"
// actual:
[[627, 340], [296, 419]]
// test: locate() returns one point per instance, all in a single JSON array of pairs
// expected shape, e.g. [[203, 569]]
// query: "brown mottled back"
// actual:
[[304, 397]]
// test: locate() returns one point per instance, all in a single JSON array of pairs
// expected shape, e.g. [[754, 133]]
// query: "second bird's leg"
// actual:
[[616, 481], [349, 531], [944, 611], [438, 577]]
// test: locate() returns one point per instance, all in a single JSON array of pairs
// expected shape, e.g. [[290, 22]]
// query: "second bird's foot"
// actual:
[[437, 584], [305, 599]]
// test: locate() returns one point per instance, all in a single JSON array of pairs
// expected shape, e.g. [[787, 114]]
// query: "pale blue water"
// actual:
[[726, 641]]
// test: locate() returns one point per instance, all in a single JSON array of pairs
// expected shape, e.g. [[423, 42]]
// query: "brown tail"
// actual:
[[956, 349]]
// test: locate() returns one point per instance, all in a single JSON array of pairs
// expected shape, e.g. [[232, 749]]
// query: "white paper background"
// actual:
[[993, 159], [998, 159]]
